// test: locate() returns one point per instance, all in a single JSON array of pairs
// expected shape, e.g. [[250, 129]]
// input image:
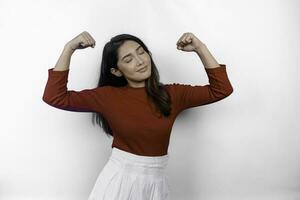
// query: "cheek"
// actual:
[[127, 69], [148, 58]]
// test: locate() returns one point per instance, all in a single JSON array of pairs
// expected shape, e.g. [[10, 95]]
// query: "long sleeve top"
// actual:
[[137, 127]]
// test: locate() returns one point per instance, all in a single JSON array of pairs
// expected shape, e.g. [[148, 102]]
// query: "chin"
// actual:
[[145, 75]]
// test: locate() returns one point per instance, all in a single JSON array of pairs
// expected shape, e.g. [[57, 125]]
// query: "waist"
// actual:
[[129, 162]]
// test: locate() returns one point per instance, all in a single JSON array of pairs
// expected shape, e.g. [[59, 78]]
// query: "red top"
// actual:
[[137, 128]]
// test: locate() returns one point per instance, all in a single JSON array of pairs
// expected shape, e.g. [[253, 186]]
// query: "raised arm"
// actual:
[[56, 92], [187, 96]]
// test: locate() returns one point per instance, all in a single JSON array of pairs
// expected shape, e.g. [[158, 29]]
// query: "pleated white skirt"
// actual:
[[128, 176]]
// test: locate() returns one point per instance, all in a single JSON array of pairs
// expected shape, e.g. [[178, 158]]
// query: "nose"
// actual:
[[139, 60]]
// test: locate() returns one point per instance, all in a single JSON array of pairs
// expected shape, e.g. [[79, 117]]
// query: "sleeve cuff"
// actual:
[[221, 68], [50, 71]]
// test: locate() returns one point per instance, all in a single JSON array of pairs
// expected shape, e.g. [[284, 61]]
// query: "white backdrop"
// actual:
[[244, 147]]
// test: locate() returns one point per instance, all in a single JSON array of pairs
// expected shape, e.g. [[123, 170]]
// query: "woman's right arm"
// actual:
[[56, 92], [63, 62]]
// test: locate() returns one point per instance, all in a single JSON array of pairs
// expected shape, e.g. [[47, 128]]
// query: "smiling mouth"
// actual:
[[142, 69]]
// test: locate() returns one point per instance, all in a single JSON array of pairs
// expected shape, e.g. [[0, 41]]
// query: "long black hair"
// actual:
[[154, 89]]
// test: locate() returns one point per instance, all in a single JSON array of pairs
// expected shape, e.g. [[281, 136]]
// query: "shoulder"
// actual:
[[173, 87], [176, 86], [104, 90], [105, 87]]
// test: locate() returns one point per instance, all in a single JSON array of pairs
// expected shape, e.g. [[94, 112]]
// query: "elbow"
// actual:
[[229, 91], [226, 92], [58, 101], [51, 102], [48, 100], [44, 98], [221, 93]]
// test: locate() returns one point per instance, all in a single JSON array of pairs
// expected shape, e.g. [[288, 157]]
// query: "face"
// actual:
[[132, 58]]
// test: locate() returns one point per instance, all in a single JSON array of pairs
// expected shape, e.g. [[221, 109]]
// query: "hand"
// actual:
[[81, 41], [189, 42]]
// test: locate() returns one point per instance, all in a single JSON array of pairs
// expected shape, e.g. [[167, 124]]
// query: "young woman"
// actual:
[[133, 107]]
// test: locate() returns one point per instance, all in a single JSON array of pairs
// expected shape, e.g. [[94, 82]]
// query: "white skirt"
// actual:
[[128, 176]]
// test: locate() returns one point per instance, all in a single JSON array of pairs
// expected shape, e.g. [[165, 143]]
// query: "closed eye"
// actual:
[[128, 61]]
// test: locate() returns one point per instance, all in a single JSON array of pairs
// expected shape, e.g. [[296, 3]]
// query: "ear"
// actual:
[[116, 72]]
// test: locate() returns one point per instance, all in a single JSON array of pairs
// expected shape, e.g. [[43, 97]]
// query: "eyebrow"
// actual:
[[130, 53]]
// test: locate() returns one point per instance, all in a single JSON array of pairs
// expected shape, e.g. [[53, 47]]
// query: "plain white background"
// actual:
[[244, 147]]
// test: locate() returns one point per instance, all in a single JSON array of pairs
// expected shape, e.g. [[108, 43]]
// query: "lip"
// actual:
[[142, 69]]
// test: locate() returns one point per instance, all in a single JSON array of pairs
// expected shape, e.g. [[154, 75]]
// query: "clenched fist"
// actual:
[[188, 42], [81, 41]]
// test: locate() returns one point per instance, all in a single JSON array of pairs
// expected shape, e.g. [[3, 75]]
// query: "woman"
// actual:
[[135, 109]]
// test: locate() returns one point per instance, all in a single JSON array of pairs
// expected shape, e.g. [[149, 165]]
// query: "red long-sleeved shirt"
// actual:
[[137, 128]]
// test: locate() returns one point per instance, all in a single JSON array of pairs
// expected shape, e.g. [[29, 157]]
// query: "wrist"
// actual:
[[68, 49], [200, 48]]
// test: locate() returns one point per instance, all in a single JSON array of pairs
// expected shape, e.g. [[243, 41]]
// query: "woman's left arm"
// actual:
[[189, 42], [219, 87], [206, 57]]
